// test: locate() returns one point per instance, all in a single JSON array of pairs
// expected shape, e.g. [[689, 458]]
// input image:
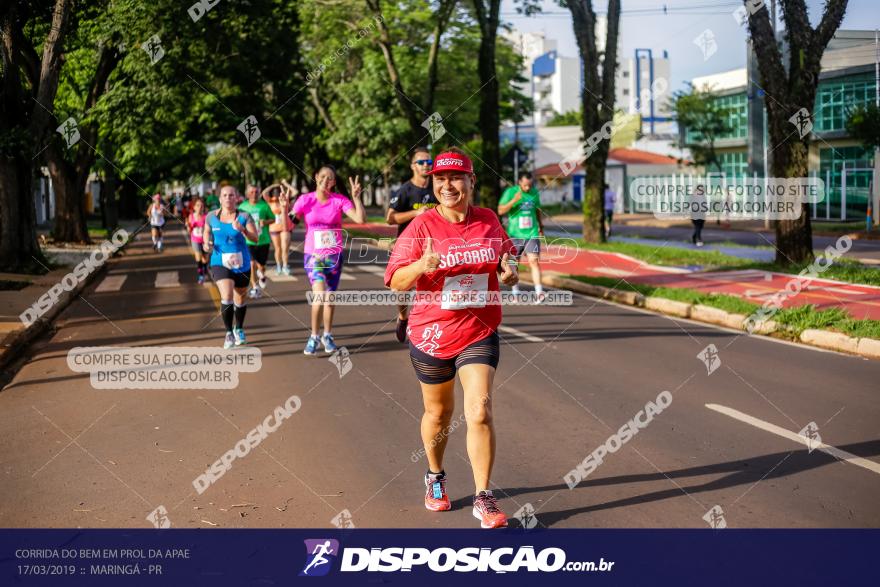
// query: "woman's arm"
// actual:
[[407, 276], [265, 193], [251, 231], [358, 214], [207, 236]]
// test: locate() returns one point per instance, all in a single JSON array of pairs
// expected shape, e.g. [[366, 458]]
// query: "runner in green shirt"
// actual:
[[262, 215], [525, 227], [212, 202]]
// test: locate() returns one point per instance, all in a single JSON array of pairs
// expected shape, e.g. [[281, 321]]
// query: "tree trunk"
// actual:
[[489, 176], [444, 12], [19, 247], [791, 90], [70, 213], [71, 225], [597, 104], [24, 124]]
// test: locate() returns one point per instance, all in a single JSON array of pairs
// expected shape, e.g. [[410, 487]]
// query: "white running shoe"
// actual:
[[229, 342]]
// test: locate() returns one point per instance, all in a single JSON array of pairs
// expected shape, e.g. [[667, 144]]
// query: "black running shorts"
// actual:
[[259, 253], [239, 280], [434, 370]]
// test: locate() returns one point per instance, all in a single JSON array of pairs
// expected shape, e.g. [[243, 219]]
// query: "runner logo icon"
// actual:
[[466, 281], [320, 555]]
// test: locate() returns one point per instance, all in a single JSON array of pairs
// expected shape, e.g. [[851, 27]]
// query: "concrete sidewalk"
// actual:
[[15, 333]]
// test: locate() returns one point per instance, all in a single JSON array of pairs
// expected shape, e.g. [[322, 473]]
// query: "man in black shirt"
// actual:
[[414, 197]]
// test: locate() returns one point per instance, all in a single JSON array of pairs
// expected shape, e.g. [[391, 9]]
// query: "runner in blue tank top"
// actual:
[[225, 239]]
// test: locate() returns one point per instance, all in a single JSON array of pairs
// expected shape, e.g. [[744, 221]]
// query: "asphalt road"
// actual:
[[570, 376]]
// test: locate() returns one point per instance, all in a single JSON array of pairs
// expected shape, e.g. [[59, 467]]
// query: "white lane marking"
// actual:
[[520, 333], [150, 268], [779, 431], [840, 290], [613, 271], [374, 269], [111, 283], [347, 277], [167, 279]]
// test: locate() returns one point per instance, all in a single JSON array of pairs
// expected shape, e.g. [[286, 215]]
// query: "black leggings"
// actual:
[[434, 370], [698, 229]]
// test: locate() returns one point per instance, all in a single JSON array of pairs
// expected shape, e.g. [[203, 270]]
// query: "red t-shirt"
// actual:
[[469, 255]]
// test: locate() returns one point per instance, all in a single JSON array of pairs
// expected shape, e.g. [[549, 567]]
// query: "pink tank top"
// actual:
[[197, 224]]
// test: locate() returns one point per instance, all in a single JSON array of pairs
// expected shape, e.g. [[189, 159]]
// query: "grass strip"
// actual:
[[798, 319]]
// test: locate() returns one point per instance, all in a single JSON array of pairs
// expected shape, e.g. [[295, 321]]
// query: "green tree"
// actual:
[[699, 114], [570, 118], [863, 124]]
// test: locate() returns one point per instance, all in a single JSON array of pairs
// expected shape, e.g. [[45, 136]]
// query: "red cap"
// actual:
[[452, 162]]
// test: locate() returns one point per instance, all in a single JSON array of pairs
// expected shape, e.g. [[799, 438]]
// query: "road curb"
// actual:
[[834, 341], [826, 339], [18, 340], [671, 307]]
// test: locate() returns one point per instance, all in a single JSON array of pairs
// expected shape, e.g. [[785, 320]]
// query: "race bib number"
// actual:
[[232, 260], [197, 232], [465, 291], [278, 218], [525, 222], [325, 239]]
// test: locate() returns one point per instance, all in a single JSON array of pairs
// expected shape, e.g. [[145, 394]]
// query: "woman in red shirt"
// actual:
[[454, 256]]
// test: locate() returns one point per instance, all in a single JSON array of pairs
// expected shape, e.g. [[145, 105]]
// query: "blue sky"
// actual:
[[644, 26]]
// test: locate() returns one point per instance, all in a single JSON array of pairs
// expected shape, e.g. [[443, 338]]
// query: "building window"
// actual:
[[835, 98], [733, 165], [737, 118], [859, 163], [626, 92]]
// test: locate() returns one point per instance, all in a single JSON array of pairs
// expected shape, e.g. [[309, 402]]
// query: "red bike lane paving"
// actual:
[[860, 301]]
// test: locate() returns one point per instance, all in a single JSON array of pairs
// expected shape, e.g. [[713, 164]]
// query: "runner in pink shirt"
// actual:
[[322, 211], [458, 253], [195, 225]]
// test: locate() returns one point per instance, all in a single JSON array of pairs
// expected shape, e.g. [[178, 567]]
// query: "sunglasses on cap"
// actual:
[[423, 162]]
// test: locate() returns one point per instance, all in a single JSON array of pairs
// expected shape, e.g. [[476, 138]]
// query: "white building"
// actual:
[[636, 76]]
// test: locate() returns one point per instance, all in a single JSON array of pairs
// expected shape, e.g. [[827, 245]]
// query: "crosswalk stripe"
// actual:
[[279, 278], [347, 277], [167, 279], [111, 283]]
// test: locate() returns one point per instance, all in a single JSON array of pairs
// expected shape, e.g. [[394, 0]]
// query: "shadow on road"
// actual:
[[739, 472]]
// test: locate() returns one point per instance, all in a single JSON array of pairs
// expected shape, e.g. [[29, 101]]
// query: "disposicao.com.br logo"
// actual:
[[322, 552]]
